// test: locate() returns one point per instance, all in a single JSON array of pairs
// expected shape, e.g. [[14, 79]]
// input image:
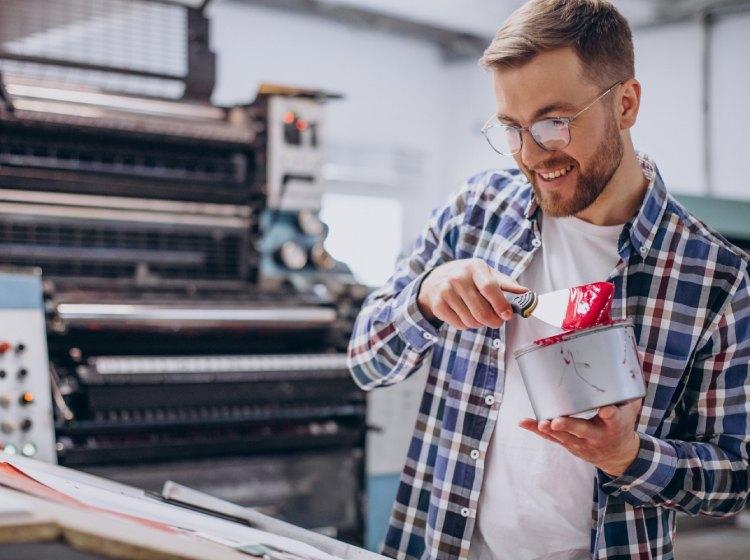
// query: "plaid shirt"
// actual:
[[686, 290]]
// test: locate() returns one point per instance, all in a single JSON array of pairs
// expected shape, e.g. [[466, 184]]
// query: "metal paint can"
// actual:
[[579, 371]]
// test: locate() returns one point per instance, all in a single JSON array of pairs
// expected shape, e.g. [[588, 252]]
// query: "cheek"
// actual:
[[575, 155]]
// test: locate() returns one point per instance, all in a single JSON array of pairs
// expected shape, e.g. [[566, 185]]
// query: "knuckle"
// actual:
[[484, 285], [455, 281], [470, 321], [441, 308], [487, 317], [445, 291]]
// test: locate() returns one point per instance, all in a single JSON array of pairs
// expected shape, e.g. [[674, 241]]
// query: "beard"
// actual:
[[591, 181]]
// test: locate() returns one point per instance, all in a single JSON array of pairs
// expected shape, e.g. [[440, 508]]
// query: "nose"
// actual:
[[531, 153]]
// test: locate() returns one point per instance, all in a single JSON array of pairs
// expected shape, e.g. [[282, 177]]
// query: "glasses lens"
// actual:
[[553, 134], [505, 140]]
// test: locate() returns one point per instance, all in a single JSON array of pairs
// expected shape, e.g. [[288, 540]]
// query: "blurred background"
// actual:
[[206, 192]]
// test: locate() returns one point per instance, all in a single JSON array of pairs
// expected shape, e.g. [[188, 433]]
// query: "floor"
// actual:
[[713, 541]]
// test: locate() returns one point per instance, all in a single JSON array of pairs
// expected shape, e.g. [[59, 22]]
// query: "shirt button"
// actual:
[[428, 336], [489, 400], [497, 343], [465, 512], [643, 250], [536, 242], [474, 454]]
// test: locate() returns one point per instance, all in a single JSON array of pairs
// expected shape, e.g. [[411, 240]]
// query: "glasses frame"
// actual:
[[489, 124]]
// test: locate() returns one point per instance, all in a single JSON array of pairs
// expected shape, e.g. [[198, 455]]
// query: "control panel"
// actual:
[[294, 154], [26, 423]]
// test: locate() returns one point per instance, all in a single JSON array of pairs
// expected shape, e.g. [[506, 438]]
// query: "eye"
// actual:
[[558, 123]]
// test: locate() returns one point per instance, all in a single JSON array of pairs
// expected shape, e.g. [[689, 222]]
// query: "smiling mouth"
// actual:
[[555, 173]]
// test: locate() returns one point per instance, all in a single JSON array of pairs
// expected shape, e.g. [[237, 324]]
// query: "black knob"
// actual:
[[26, 424], [2, 374], [23, 372], [20, 347]]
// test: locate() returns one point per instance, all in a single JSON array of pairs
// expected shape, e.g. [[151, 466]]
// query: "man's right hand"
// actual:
[[467, 294]]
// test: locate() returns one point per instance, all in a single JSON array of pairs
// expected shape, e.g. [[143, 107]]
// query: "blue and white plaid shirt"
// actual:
[[687, 292]]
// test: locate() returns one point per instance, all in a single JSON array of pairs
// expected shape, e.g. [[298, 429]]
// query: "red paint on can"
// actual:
[[589, 305]]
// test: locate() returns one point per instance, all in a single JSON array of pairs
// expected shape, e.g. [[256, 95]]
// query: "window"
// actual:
[[365, 233]]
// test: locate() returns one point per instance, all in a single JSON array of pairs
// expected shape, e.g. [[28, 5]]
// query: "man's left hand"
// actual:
[[608, 440]]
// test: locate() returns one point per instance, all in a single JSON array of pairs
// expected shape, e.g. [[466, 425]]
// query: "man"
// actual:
[[583, 207]]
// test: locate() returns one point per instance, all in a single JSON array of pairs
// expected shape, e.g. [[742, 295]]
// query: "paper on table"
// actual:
[[13, 477], [149, 509], [10, 505]]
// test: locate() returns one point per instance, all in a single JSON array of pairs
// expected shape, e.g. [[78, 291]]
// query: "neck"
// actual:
[[622, 196]]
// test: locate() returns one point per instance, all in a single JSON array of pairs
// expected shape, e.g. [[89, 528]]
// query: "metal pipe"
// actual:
[[82, 314], [707, 27]]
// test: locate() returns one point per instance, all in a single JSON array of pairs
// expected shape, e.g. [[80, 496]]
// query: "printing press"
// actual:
[[189, 323]]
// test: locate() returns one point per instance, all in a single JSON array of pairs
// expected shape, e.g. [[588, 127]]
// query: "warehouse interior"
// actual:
[[197, 198]]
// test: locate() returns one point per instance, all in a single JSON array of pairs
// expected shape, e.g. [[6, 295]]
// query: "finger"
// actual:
[[479, 307], [460, 309], [490, 290], [609, 414], [582, 429], [565, 438], [544, 428], [531, 426], [507, 284], [630, 410], [444, 312]]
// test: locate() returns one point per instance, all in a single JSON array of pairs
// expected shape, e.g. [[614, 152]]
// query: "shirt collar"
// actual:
[[532, 205], [639, 232]]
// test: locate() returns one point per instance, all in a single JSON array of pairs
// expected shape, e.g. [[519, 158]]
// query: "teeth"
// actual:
[[556, 174]]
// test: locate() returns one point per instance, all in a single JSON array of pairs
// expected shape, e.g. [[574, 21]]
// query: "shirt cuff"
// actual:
[[410, 323], [647, 476]]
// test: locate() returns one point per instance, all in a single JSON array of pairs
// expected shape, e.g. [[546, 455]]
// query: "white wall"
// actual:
[[730, 110], [472, 102], [670, 122]]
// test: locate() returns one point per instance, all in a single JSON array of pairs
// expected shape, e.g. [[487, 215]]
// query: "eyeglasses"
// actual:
[[550, 134]]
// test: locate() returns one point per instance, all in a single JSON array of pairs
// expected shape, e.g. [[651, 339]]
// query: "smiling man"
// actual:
[[484, 481]]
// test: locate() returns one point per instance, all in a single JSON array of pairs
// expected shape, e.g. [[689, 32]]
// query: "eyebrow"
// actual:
[[558, 106]]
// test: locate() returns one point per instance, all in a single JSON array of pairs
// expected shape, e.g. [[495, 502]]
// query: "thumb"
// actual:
[[507, 284], [607, 413]]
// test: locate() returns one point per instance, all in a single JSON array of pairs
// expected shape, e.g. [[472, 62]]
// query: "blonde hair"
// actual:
[[598, 33]]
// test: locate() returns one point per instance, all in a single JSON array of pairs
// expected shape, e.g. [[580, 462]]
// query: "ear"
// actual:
[[629, 101]]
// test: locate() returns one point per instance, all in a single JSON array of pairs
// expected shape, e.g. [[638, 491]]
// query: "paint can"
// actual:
[[577, 372]]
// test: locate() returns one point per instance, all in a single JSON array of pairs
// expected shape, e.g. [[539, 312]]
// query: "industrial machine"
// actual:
[[190, 322]]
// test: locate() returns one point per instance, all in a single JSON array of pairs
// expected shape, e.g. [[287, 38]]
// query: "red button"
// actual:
[[5, 346]]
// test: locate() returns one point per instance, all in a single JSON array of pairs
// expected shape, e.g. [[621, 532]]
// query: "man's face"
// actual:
[[552, 85]]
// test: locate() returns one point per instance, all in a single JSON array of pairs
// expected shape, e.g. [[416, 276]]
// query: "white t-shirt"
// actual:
[[536, 497]]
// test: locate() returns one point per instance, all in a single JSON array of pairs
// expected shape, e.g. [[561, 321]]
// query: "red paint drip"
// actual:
[[590, 305], [550, 340]]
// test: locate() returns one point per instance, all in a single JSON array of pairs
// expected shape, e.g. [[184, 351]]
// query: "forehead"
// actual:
[[551, 79]]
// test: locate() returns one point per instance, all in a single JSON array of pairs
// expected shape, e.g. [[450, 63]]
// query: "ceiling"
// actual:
[[483, 17], [480, 17], [462, 27]]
